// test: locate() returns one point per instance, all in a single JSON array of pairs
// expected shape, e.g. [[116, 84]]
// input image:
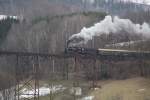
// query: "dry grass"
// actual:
[[130, 89]]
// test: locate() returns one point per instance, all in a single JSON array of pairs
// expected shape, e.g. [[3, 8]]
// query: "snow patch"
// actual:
[[42, 91], [3, 17], [7, 94], [76, 91], [26, 93], [147, 2], [89, 1], [88, 98], [122, 44]]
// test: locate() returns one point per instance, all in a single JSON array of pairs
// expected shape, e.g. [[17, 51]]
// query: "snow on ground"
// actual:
[[7, 94], [88, 98], [26, 93], [139, 1], [147, 2], [89, 1], [42, 91], [121, 44], [1, 96], [5, 16]]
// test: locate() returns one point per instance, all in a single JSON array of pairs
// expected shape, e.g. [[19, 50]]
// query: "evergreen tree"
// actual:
[[5, 26]]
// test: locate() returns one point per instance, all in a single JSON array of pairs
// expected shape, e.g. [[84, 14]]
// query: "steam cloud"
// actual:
[[109, 25]]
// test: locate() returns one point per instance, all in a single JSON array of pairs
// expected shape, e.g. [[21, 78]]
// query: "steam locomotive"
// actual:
[[81, 50], [99, 52], [105, 52]]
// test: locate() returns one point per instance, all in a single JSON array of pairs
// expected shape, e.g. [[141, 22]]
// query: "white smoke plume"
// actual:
[[109, 25]]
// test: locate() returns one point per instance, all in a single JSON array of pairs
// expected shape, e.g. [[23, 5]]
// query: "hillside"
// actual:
[[52, 7], [42, 29], [48, 32]]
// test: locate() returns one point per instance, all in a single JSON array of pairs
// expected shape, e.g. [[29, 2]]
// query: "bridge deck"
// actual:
[[104, 55]]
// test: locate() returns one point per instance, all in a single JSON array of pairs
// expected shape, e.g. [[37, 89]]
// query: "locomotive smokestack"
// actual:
[[109, 25]]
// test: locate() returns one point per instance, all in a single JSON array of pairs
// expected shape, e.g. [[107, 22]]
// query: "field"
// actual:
[[130, 89]]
